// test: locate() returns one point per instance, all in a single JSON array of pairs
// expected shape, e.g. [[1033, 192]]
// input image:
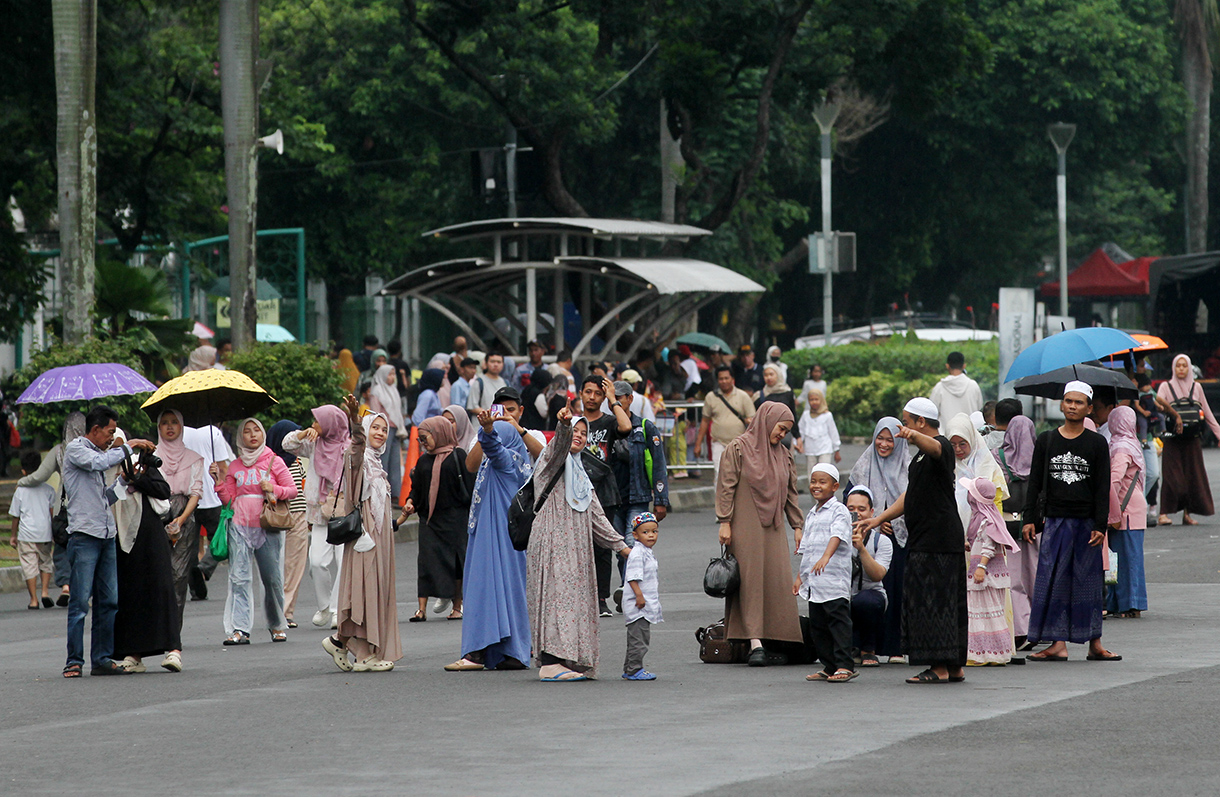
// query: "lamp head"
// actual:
[[1061, 135]]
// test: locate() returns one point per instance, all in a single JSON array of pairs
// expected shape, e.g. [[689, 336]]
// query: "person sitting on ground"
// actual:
[[870, 561], [32, 510], [824, 579], [642, 610]]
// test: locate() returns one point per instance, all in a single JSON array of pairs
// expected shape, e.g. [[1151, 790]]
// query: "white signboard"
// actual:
[[1016, 329], [268, 312]]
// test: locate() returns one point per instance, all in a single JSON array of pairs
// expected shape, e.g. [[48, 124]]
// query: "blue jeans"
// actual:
[[868, 619], [94, 576], [270, 568]]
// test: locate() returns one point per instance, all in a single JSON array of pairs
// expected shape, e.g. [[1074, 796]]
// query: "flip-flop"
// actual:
[[451, 617], [47, 603], [62, 600], [1035, 657], [418, 617], [927, 677], [956, 679], [840, 678], [818, 676], [566, 675], [870, 661], [1111, 657]]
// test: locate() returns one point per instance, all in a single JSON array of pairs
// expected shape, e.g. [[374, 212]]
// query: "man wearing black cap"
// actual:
[[747, 374]]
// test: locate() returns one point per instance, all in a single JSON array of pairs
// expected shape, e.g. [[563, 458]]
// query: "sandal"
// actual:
[[566, 675], [928, 677], [292, 624], [820, 675], [456, 615], [1104, 656], [418, 617], [47, 603], [869, 661], [463, 665], [842, 676], [238, 638], [279, 636], [72, 671], [337, 652]]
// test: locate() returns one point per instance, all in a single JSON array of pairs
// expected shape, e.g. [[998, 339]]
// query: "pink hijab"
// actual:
[[1122, 434], [177, 461], [1184, 388], [249, 456], [328, 450], [984, 516], [444, 440]]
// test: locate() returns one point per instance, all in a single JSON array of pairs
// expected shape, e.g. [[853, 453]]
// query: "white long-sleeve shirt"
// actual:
[[819, 435]]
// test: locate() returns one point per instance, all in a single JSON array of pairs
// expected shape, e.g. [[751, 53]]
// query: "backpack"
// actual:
[[1189, 410]]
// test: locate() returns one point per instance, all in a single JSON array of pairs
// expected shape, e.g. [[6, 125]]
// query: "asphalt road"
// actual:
[[281, 719]]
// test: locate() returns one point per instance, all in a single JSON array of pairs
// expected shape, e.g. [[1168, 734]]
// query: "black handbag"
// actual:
[[59, 526], [722, 577], [342, 530], [522, 510]]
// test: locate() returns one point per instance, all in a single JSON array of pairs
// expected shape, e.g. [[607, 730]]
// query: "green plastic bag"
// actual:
[[220, 537]]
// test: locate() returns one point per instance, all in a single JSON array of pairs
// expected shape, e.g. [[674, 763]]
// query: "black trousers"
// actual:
[[830, 634], [868, 619], [603, 563]]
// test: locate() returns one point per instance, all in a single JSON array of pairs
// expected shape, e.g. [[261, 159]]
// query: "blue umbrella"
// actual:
[[1071, 347], [273, 333]]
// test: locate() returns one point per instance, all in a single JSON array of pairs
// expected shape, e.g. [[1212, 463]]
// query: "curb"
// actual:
[[690, 499]]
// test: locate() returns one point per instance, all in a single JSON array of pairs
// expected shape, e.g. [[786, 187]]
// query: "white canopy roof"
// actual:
[[669, 275], [602, 228]]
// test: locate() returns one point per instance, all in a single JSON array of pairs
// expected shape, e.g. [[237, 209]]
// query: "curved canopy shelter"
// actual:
[[624, 300]]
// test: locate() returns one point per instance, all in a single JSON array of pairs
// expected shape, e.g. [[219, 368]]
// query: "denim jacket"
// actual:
[[639, 463]]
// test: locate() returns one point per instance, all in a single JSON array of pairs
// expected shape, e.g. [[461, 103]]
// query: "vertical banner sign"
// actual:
[[1016, 330]]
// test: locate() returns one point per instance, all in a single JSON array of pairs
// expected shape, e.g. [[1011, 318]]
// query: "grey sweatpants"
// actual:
[[639, 634]]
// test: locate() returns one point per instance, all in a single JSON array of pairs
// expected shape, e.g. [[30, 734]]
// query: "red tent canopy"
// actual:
[[1099, 276]]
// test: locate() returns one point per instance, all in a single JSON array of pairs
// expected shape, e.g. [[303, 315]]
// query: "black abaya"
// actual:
[[442, 537], [147, 619]]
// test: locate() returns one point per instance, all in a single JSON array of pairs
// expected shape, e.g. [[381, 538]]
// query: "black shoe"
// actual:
[[758, 658], [618, 599], [603, 610], [62, 600]]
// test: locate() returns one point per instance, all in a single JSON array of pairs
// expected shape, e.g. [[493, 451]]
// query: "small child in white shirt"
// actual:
[[31, 509], [825, 577], [643, 607]]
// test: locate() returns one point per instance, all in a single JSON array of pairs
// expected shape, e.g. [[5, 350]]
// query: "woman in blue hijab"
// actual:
[[495, 623], [428, 405]]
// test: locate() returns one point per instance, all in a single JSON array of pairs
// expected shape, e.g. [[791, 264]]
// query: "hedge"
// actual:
[[866, 381], [297, 375]]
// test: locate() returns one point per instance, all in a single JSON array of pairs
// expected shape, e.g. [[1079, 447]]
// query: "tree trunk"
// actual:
[[239, 108], [75, 30], [1197, 77]]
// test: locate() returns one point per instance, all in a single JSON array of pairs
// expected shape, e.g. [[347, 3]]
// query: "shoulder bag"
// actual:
[[523, 508], [275, 515], [1018, 488], [342, 530]]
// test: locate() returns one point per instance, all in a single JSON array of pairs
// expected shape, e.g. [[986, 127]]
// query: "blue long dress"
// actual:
[[495, 618]]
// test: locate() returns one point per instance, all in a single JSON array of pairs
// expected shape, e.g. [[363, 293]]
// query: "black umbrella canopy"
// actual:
[[1050, 384]]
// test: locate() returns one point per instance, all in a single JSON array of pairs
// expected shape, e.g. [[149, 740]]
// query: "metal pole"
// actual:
[[827, 279], [301, 297], [531, 304], [1061, 187], [510, 168]]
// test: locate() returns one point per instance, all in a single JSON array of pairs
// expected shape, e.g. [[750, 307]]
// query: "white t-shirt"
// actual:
[[642, 567], [213, 448], [831, 519], [881, 549], [32, 506]]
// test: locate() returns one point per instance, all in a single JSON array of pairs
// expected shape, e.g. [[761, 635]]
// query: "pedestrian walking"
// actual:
[[1184, 485], [32, 509], [818, 435], [182, 470], [296, 538], [257, 475], [956, 392], [1128, 516]]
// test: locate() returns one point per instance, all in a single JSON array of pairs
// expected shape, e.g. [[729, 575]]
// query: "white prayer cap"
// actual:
[[977, 420], [826, 468], [1076, 386], [923, 407], [863, 489]]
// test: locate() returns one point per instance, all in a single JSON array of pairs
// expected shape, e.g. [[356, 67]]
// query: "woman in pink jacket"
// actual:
[[1128, 516], [257, 474]]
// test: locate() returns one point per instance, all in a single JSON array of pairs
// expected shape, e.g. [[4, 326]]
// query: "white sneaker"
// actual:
[[320, 617], [373, 664], [441, 605], [172, 661], [132, 664]]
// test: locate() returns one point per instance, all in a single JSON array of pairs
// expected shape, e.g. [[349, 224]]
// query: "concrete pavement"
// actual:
[[281, 719]]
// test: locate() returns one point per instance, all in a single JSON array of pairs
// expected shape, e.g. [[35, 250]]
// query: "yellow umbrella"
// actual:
[[206, 397]]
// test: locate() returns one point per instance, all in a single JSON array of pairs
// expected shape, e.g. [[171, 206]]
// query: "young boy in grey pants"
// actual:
[[643, 608]]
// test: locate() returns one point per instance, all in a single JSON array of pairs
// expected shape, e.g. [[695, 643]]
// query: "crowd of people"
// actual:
[[958, 538]]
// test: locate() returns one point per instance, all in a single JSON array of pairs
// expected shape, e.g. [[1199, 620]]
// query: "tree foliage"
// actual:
[[295, 374]]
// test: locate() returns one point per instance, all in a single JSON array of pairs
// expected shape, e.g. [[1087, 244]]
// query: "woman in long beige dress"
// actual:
[[368, 607], [561, 583], [755, 491]]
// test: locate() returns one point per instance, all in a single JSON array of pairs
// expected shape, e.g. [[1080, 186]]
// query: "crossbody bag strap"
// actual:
[[1130, 490], [547, 493], [726, 403]]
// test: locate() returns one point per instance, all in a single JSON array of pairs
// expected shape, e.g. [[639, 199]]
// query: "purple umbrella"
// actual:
[[85, 383]]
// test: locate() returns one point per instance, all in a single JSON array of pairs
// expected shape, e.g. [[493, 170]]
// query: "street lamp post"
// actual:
[[1061, 136], [825, 114]]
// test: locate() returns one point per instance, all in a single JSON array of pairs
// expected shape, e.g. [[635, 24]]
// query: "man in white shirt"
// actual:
[[483, 388], [957, 392], [209, 443]]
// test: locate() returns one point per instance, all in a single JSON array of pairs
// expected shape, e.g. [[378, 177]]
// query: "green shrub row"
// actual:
[[297, 375]]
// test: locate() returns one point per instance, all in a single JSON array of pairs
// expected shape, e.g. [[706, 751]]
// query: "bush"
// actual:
[[46, 421], [297, 375], [858, 401]]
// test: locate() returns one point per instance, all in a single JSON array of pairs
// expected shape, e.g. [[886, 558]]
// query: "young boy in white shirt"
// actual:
[[825, 577], [31, 509], [644, 609]]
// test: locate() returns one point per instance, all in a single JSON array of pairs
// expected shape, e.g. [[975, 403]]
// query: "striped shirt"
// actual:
[[297, 471]]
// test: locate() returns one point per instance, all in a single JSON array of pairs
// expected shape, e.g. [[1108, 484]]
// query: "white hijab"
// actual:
[[376, 489], [576, 484], [387, 396], [980, 463]]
